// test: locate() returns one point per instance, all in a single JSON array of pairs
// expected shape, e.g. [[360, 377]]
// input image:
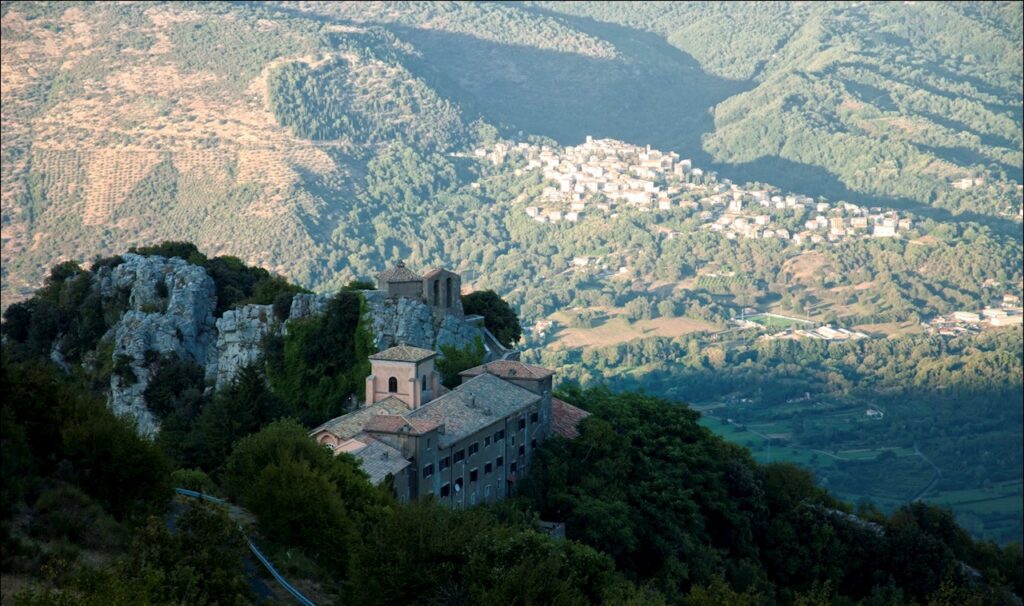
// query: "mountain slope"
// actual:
[[249, 129]]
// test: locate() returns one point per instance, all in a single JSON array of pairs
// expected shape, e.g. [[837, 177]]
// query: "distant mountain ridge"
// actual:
[[265, 130]]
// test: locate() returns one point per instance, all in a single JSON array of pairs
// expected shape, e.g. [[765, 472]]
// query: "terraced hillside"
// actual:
[[249, 128]]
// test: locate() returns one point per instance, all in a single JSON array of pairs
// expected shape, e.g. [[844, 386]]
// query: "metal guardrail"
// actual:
[[252, 547]]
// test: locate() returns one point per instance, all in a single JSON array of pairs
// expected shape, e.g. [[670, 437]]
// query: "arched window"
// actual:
[[392, 385], [437, 293], [448, 292]]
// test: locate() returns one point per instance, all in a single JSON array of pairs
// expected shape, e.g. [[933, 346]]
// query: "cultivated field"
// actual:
[[618, 329]]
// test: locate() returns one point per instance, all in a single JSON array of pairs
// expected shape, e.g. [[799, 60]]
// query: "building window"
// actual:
[[392, 385], [488, 468], [499, 462], [448, 292], [428, 470], [459, 455], [522, 422], [423, 382], [513, 441], [446, 490], [533, 417], [443, 463], [487, 491], [512, 467], [472, 475], [522, 450], [533, 443], [474, 448], [458, 485], [487, 441], [499, 435], [437, 293]]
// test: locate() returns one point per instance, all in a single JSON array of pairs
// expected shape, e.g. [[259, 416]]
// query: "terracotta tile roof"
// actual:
[[399, 273], [379, 459], [475, 404], [352, 423], [509, 369], [386, 423], [565, 417], [399, 424], [404, 353]]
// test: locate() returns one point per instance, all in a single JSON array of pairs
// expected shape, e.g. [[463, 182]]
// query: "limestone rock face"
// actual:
[[304, 306], [240, 334], [170, 310], [453, 330], [175, 317], [409, 321]]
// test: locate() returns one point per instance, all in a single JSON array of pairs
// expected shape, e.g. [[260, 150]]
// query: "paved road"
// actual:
[[935, 479]]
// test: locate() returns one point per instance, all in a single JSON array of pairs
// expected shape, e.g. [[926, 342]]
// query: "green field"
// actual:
[[887, 476]]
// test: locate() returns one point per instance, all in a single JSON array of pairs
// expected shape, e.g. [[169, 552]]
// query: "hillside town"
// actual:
[[608, 176]]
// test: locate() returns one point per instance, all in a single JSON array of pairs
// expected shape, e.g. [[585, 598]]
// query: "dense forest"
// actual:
[[657, 508], [325, 141], [956, 400]]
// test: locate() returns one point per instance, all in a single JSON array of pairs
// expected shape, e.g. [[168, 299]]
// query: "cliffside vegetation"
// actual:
[[657, 510]]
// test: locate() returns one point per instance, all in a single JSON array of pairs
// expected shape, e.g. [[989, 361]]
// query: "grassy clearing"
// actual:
[[617, 329]]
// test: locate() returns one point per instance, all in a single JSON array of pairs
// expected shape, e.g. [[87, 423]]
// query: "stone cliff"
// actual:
[[171, 307], [240, 332], [170, 310]]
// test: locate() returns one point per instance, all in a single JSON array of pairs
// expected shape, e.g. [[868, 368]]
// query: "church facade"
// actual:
[[439, 288]]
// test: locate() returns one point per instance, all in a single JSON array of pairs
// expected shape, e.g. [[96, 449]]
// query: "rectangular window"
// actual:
[[474, 448], [499, 435], [443, 464], [487, 468], [533, 417], [446, 490], [533, 443], [512, 466], [522, 450], [428, 470], [428, 443], [487, 441], [459, 455], [499, 462], [513, 439], [522, 422], [472, 475]]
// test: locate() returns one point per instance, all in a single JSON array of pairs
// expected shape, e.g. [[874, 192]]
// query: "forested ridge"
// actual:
[[281, 111], [325, 141], [657, 508]]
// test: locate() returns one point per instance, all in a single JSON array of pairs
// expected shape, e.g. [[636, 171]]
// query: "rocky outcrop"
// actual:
[[304, 306], [171, 305], [409, 321], [170, 310], [240, 334], [394, 321]]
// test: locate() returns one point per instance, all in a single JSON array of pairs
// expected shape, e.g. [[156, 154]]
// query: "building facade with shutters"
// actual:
[[466, 446]]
